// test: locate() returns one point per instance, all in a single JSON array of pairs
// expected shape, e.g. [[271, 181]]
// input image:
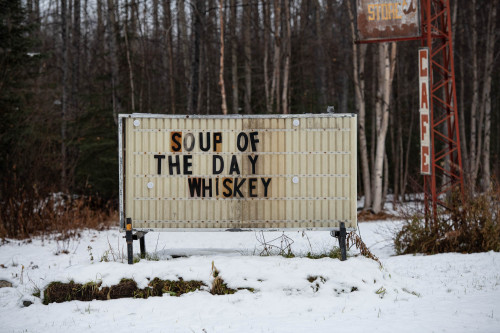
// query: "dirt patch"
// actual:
[[366, 216], [126, 288], [174, 288], [58, 292]]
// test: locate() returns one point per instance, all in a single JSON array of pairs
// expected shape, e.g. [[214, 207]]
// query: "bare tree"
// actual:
[[234, 57], [267, 33], [358, 59], [275, 85], [76, 54], [287, 54], [169, 54], [113, 36], [247, 21], [475, 130], [319, 55], [194, 84], [65, 86], [387, 64], [183, 45], [221, 71], [130, 71], [486, 97]]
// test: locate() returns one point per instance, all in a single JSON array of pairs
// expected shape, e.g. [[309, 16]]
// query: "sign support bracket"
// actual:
[[341, 235], [130, 237]]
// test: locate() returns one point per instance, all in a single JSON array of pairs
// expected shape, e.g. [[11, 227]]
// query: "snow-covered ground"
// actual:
[[439, 293]]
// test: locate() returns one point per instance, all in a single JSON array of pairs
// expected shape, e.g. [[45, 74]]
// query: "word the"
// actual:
[[178, 165]]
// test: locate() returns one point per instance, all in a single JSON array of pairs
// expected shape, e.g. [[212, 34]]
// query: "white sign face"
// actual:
[[424, 102], [233, 172]]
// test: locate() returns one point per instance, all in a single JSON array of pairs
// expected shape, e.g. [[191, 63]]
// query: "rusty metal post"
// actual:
[[142, 243], [341, 235], [129, 239], [446, 158], [342, 242]]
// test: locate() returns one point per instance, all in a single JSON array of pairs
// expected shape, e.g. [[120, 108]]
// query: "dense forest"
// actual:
[[69, 67]]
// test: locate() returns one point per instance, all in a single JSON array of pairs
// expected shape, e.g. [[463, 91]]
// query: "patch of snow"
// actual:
[[441, 293]]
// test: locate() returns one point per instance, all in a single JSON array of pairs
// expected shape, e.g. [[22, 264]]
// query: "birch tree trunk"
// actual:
[[275, 85], [221, 71], [288, 51], [64, 102], [358, 60], [234, 58], [319, 54], [387, 64], [112, 42], [486, 98], [76, 55], [407, 159], [130, 71], [183, 49], [475, 100], [193, 82], [247, 19], [461, 107], [167, 28], [267, 32]]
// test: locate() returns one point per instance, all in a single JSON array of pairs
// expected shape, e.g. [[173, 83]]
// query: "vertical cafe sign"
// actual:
[[424, 100], [388, 19], [234, 172]]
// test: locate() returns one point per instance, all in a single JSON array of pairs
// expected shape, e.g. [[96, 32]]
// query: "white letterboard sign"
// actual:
[[238, 172]]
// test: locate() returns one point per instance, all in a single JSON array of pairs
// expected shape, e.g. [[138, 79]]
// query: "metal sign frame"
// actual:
[[122, 171]]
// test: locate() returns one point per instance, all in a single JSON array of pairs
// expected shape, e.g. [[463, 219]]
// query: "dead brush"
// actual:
[[219, 287], [27, 213], [353, 239], [281, 245], [471, 225]]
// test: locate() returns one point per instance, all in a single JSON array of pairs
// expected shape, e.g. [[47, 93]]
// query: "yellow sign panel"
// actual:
[[232, 172]]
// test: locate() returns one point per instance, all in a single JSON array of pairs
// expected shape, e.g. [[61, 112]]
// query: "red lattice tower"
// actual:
[[444, 174], [446, 159]]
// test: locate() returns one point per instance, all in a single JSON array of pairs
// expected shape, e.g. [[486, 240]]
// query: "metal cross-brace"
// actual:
[[446, 160], [130, 237], [341, 236]]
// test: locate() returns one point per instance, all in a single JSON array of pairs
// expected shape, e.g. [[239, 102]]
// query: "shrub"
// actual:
[[472, 225], [26, 213]]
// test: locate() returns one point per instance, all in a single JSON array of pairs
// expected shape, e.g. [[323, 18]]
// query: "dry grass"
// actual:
[[25, 215], [367, 216], [353, 239], [473, 225], [219, 287]]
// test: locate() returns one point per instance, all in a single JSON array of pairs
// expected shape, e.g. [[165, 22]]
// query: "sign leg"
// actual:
[[129, 239], [341, 236], [342, 241], [142, 243]]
